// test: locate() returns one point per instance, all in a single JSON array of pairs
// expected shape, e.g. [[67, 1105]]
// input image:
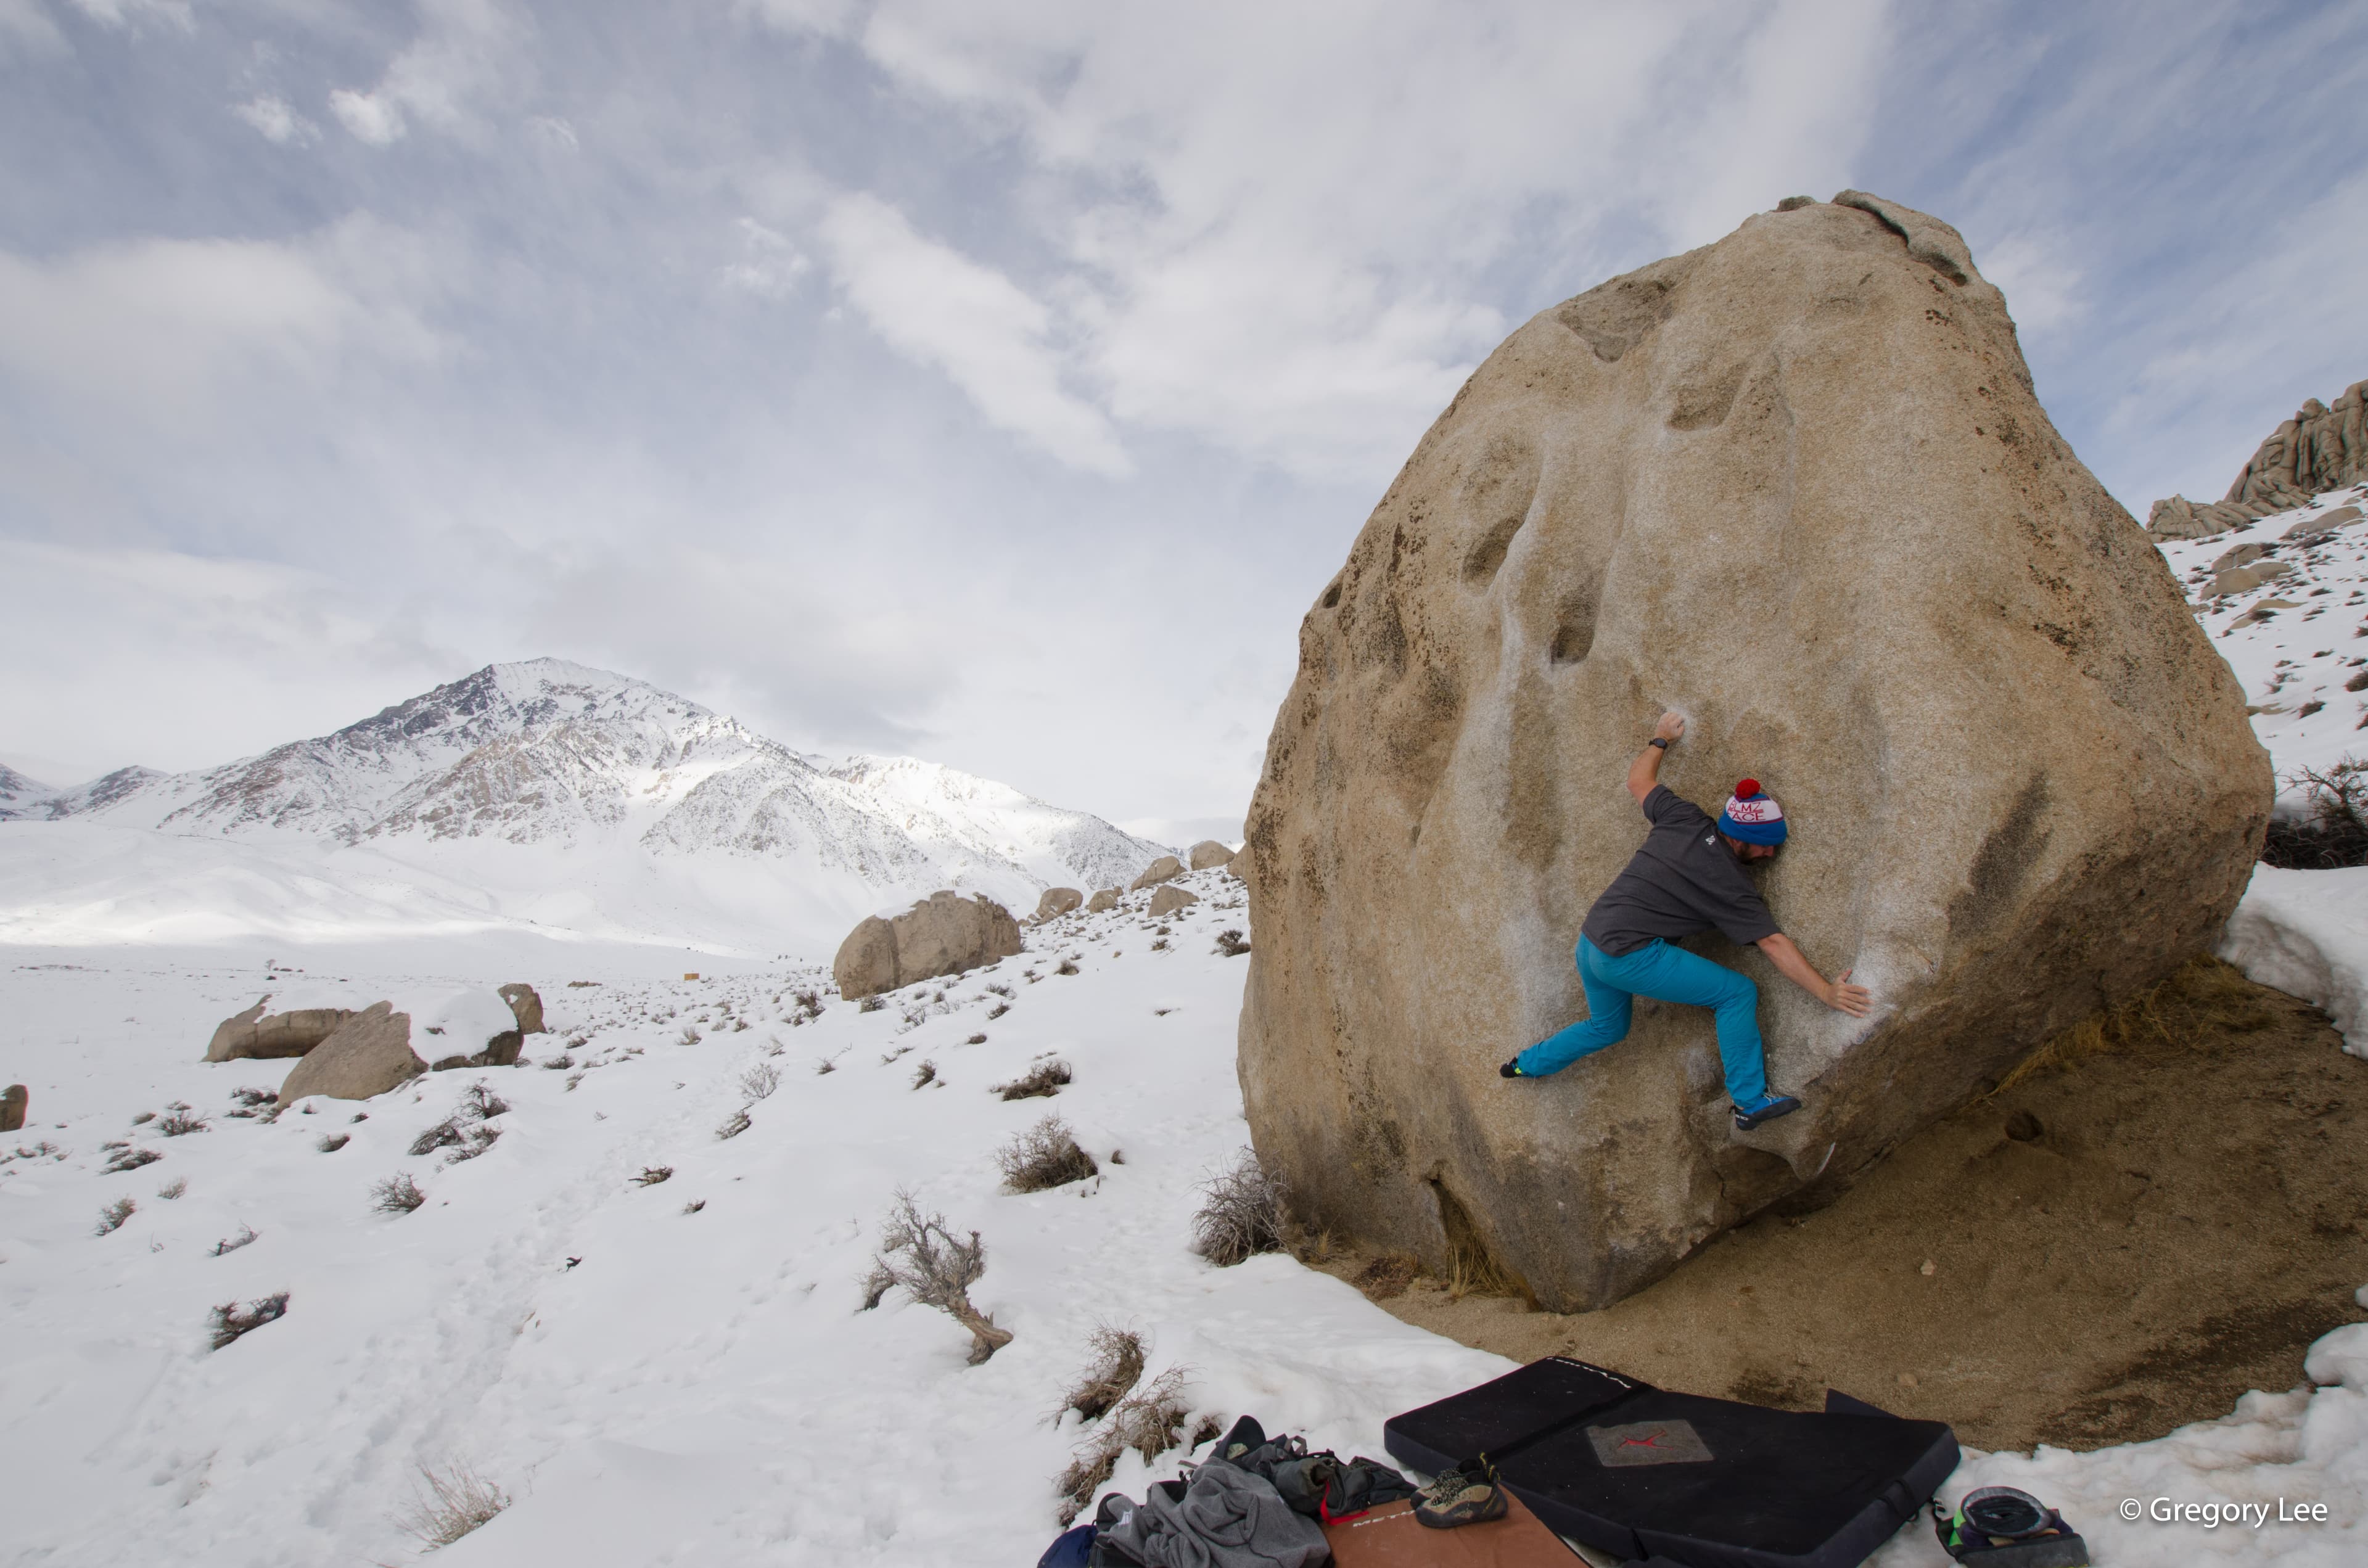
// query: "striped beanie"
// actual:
[[1752, 815]]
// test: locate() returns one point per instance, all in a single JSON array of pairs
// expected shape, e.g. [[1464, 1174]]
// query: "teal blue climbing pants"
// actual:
[[1667, 974]]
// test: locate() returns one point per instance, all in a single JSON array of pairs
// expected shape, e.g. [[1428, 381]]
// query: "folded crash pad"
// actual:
[[1635, 1471], [1391, 1537]]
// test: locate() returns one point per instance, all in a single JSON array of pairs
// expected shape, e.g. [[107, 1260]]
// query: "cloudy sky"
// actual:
[[996, 382]]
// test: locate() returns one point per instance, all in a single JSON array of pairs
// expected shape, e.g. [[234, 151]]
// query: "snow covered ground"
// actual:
[[657, 1384]]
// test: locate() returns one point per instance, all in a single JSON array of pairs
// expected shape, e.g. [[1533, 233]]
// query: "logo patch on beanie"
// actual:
[[1759, 809]]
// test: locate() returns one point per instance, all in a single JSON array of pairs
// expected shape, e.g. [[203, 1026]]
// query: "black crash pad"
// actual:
[[1629, 1469]]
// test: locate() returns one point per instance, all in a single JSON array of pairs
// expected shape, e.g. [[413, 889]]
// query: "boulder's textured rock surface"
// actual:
[[943, 934], [369, 1054], [13, 1104], [1102, 902], [2321, 447], [1170, 899], [1166, 869], [1794, 485], [526, 1006], [1057, 903], [1208, 853], [264, 1036]]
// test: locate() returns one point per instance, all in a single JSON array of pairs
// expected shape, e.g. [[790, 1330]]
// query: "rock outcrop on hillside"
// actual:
[[943, 934], [266, 1035], [1796, 485], [1057, 903], [1166, 869], [1208, 853], [2322, 448], [13, 1101], [526, 1006], [367, 1054]]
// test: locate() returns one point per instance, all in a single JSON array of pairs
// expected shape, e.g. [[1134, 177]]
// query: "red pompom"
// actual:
[[1746, 789]]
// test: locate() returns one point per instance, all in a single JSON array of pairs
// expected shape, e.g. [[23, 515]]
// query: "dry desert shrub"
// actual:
[[112, 1216], [128, 1159], [1230, 944], [398, 1194], [457, 1500], [1042, 1081], [1150, 1421], [1241, 1212], [178, 1119], [1045, 1155], [173, 1188], [1111, 1376], [230, 1320], [759, 1082], [924, 1074], [653, 1175], [872, 1004], [735, 1124], [332, 1141], [245, 1237], [920, 1255]]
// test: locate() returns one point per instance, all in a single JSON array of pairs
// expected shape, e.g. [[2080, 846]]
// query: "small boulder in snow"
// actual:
[[1102, 902], [1057, 903], [1166, 869], [267, 1036], [943, 934], [367, 1054], [526, 1006], [12, 1107], [1170, 899], [1208, 853]]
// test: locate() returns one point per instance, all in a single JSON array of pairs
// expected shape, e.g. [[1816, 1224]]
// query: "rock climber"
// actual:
[[1691, 875]]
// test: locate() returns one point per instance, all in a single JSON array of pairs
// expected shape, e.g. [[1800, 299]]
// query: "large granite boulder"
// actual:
[[367, 1054], [13, 1104], [943, 934], [1208, 853], [1167, 899], [1057, 903], [1794, 485], [1166, 869], [1102, 902], [259, 1035], [526, 1006]]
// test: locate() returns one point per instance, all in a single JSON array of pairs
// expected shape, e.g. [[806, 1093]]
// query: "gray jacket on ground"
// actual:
[[1228, 1519]]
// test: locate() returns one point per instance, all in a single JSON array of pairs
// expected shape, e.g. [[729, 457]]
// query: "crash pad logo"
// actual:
[[1648, 1442]]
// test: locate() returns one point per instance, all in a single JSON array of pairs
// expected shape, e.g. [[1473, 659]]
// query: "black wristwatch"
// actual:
[[1661, 740]]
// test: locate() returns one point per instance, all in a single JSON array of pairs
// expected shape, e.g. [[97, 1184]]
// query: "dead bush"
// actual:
[[1240, 1214], [126, 1158], [173, 1188], [245, 1237], [1150, 1421], [873, 1004], [998, 1011], [1230, 944], [398, 1194], [2335, 832], [1046, 1156], [111, 1217], [1117, 1365], [735, 1124], [653, 1175], [920, 1255], [457, 1500], [759, 1082], [924, 1074], [1066, 966], [178, 1119], [1040, 1082], [230, 1320], [332, 1141], [262, 1103]]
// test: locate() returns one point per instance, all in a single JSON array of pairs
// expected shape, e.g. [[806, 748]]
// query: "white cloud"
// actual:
[[456, 61], [937, 307], [25, 26], [137, 14], [374, 117], [2042, 286], [165, 327], [274, 121], [770, 268], [552, 131]]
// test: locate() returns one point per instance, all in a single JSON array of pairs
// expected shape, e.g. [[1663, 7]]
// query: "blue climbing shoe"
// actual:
[[1767, 1108]]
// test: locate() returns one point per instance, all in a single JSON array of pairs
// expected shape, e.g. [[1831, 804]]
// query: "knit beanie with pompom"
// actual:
[[1752, 815]]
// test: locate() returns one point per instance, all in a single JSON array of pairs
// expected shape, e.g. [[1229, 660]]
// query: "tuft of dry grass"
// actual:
[[1045, 1155], [230, 1320], [173, 1188], [457, 1500], [1042, 1081], [1117, 1365], [1241, 1212], [112, 1216], [2206, 996], [653, 1175], [398, 1194], [924, 1074], [735, 1124], [1150, 1421]]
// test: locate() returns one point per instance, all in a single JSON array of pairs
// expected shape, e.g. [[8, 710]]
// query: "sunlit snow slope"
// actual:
[[540, 794]]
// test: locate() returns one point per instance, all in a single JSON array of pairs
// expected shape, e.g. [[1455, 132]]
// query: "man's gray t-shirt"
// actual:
[[1682, 881]]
